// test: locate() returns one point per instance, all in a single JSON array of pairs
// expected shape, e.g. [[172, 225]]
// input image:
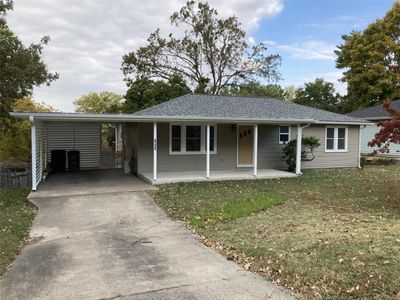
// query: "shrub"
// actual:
[[307, 151]]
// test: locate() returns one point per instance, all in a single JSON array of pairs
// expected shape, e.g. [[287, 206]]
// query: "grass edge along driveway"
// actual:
[[16, 216], [329, 234]]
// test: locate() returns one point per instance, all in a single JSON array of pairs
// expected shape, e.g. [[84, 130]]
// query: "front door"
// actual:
[[245, 145]]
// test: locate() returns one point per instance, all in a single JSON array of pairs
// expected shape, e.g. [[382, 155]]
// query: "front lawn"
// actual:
[[332, 234], [16, 217]]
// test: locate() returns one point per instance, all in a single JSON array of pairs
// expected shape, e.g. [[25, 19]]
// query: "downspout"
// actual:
[[359, 146], [299, 146]]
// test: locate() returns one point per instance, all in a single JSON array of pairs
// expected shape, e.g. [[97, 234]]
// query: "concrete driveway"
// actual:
[[121, 245]]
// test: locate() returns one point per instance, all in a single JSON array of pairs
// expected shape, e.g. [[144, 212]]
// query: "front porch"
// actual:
[[215, 175]]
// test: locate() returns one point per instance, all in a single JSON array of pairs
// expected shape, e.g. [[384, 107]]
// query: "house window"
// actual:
[[336, 139], [191, 139], [176, 134], [284, 134]]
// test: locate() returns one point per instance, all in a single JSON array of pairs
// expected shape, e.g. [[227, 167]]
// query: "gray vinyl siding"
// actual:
[[367, 134], [224, 159], [269, 150], [324, 159]]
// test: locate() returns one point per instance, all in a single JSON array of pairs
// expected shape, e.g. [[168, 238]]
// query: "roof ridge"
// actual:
[[233, 96]]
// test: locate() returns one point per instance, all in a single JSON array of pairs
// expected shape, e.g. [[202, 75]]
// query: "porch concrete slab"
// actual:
[[88, 183], [217, 175], [122, 246]]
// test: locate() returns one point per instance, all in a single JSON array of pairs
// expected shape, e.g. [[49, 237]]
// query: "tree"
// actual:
[[290, 93], [372, 62], [255, 89], [389, 132], [318, 94], [211, 55], [103, 102], [15, 143], [21, 67], [144, 92], [308, 144]]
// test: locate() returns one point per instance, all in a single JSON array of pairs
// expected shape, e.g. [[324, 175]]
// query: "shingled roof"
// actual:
[[375, 112], [199, 106]]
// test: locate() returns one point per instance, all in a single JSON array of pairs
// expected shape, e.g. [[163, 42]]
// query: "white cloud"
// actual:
[[310, 50], [88, 38]]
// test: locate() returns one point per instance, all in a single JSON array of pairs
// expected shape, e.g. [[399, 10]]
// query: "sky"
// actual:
[[89, 38]]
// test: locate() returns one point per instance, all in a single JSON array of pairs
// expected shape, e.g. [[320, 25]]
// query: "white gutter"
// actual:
[[92, 117], [359, 146], [299, 140], [135, 118], [343, 122]]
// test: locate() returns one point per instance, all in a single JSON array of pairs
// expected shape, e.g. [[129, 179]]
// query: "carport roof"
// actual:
[[208, 108]]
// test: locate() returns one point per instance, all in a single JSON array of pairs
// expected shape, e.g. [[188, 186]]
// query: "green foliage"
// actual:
[[16, 217], [21, 67], [212, 54], [15, 138], [318, 94], [144, 92], [371, 60], [363, 162], [289, 151], [103, 102], [233, 210]]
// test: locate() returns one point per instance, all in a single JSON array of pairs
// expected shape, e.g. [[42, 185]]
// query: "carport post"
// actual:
[[208, 152], [255, 149], [155, 151], [33, 152]]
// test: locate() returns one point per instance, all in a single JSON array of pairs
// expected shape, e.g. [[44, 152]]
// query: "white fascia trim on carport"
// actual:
[[137, 118], [87, 117]]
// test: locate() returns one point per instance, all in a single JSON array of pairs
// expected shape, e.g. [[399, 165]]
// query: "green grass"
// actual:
[[334, 235], [16, 217], [233, 210]]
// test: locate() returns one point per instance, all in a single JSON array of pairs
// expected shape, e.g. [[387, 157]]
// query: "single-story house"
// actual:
[[201, 137], [375, 114]]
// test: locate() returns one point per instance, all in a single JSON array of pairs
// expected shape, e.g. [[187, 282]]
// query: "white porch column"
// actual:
[[155, 151], [208, 152], [33, 152], [255, 149], [298, 149]]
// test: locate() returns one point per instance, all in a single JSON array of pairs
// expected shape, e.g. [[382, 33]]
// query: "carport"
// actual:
[[75, 132]]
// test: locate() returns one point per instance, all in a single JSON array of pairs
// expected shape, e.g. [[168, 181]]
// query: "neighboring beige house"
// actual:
[[375, 114], [201, 137]]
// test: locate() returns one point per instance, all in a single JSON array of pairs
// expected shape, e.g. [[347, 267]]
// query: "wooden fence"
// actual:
[[13, 176]]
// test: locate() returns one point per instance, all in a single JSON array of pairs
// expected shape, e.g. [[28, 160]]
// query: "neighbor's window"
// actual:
[[176, 138], [284, 134], [191, 139], [336, 139]]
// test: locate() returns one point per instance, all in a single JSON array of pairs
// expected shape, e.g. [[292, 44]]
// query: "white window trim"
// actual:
[[289, 133], [335, 138], [183, 139]]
